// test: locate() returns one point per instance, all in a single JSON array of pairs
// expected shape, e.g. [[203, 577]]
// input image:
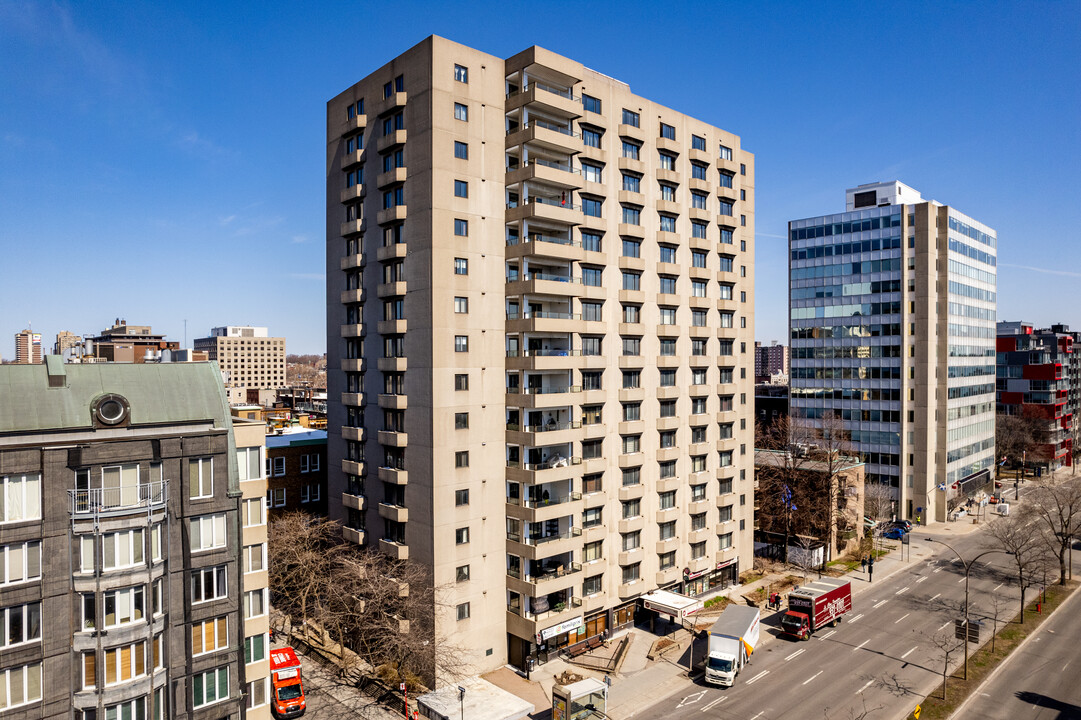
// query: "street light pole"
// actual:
[[968, 569]]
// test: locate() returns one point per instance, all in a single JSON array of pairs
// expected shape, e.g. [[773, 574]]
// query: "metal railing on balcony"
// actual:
[[534, 503], [544, 352], [546, 315], [560, 202], [98, 501], [552, 574], [541, 539], [544, 390], [553, 426]]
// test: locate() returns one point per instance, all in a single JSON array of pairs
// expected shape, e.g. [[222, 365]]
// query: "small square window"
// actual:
[[461, 228], [461, 150], [461, 382], [461, 573], [461, 536], [463, 611], [461, 266], [461, 343], [591, 104], [461, 421], [461, 497], [461, 189], [461, 74], [461, 112], [461, 459], [461, 305]]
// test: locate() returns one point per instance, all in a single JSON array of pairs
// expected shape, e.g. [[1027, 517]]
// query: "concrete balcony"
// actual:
[[354, 364], [725, 554], [668, 331], [631, 165], [631, 589], [535, 548], [526, 624], [352, 296], [528, 510], [391, 327], [393, 439], [398, 137], [632, 427], [543, 97], [356, 434], [391, 289], [669, 207], [352, 159], [728, 222], [555, 434], [551, 360], [627, 197], [667, 545], [543, 246], [731, 194], [352, 262], [391, 215], [631, 362], [630, 557], [393, 512], [700, 332], [669, 145], [390, 252], [631, 131], [393, 402], [547, 172], [532, 474], [631, 231], [543, 397], [351, 467], [353, 399], [631, 492], [396, 550], [667, 576], [391, 177], [729, 166], [357, 537], [699, 185], [392, 364], [699, 565], [546, 210], [355, 330], [356, 502], [669, 176], [668, 361], [666, 515], [555, 322], [545, 284], [353, 125], [390, 104], [565, 576], [631, 394], [627, 525], [699, 156], [696, 507], [668, 392], [699, 214], [700, 244], [350, 194], [393, 476], [351, 227], [665, 454], [546, 136]]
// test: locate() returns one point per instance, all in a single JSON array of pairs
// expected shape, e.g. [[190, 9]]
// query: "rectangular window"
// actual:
[[210, 635], [592, 585], [254, 558], [724, 514], [461, 459], [592, 380], [461, 305], [461, 343], [667, 499], [591, 138], [461, 112], [209, 584], [698, 171], [631, 444], [698, 200], [275, 497], [461, 150], [20, 624], [209, 687], [461, 573], [668, 223], [592, 173], [632, 509], [668, 284], [591, 276], [462, 611], [668, 347], [124, 606], [668, 132], [591, 517], [592, 207], [698, 376], [632, 216], [630, 118], [461, 266], [724, 180], [20, 686], [201, 478], [20, 498], [256, 693], [698, 406], [461, 536], [461, 74], [632, 183], [593, 551], [591, 104], [21, 562], [630, 150], [461, 382], [279, 466], [461, 189], [725, 152], [698, 143], [122, 549], [667, 162], [698, 318], [247, 461], [591, 311], [461, 228], [591, 242], [631, 573], [591, 345], [208, 532], [632, 379], [667, 469], [592, 449], [632, 346], [631, 541], [668, 377], [667, 438], [255, 603], [593, 483], [725, 208], [254, 510], [632, 476], [632, 412], [461, 497]]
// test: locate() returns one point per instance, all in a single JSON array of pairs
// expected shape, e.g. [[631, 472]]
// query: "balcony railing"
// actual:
[[546, 465], [547, 427], [537, 237], [544, 502], [561, 92], [545, 352], [541, 539], [118, 499], [554, 201], [561, 571], [543, 315], [544, 390]]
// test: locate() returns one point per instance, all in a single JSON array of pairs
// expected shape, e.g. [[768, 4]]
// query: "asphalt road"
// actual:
[[882, 657], [329, 698], [1039, 680]]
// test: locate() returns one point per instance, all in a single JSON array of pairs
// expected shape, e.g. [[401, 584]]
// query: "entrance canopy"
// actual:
[[670, 603]]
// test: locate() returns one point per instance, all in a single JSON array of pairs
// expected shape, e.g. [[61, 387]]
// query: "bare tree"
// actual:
[[1057, 510], [781, 473], [947, 645], [302, 551], [878, 504], [1019, 536], [1016, 436], [999, 605]]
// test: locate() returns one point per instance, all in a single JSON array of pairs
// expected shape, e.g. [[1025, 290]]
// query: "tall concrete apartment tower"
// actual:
[[892, 318], [558, 442], [27, 348]]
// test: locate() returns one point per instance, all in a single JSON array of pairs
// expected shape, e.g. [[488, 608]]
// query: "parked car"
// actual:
[[894, 533], [905, 525]]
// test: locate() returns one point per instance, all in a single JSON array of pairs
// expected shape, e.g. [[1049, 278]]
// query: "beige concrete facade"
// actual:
[[247, 357], [551, 281]]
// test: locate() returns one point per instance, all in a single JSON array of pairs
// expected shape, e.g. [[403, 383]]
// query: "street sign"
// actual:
[[916, 713], [973, 634], [401, 686], [906, 539]]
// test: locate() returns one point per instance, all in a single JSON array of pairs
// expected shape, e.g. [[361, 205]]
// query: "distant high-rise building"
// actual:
[[560, 443], [123, 343], [134, 527], [1038, 379], [769, 360], [248, 358], [64, 341], [892, 317], [27, 348]]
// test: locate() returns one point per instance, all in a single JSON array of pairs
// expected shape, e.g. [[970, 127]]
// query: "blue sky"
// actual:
[[164, 162]]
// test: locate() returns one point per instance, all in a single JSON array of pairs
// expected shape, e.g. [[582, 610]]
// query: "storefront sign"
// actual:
[[688, 575], [725, 564], [561, 628]]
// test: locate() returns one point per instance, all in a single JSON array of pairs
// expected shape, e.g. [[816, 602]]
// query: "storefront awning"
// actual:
[[670, 603]]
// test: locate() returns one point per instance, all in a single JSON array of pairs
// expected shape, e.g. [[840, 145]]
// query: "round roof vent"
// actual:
[[111, 409]]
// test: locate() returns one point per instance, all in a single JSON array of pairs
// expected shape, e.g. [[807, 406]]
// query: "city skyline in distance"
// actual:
[[158, 165]]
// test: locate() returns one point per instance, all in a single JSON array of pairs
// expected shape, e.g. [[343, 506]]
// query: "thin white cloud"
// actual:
[[770, 235], [1046, 271], [299, 239]]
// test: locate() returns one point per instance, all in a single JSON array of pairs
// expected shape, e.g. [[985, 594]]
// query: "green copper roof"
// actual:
[[158, 393]]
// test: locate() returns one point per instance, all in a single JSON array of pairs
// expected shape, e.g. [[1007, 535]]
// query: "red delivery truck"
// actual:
[[288, 689], [813, 605]]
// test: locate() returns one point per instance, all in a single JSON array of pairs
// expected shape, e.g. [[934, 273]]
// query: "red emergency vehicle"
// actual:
[[287, 700]]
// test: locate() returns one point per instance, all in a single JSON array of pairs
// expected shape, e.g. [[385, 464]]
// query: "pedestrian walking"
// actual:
[[863, 563]]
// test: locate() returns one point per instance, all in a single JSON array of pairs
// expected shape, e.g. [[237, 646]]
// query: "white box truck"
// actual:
[[731, 641]]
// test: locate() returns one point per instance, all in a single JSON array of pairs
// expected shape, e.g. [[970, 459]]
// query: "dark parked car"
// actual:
[[905, 525], [894, 533]]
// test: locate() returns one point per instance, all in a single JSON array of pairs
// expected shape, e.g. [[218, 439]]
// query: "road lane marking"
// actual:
[[757, 677], [960, 580], [1064, 667], [936, 595], [798, 652], [922, 579], [864, 687], [823, 637], [812, 677], [721, 699], [856, 618], [879, 604], [944, 625], [902, 590], [909, 652], [901, 618], [997, 587], [687, 700], [860, 645], [760, 714], [937, 570]]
